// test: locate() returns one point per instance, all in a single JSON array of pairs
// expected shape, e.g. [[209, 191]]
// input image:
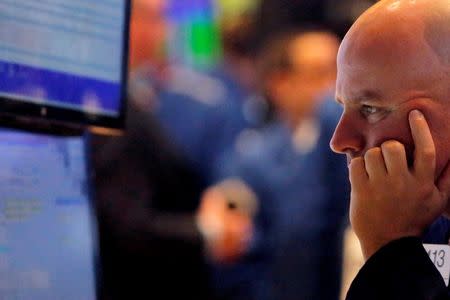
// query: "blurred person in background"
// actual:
[[146, 198], [296, 249], [296, 71], [192, 107], [155, 236], [238, 67]]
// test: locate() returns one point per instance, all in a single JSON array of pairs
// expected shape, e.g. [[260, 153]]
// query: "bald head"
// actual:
[[409, 37], [411, 25]]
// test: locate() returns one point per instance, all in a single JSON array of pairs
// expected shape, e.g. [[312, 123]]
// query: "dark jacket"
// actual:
[[403, 270], [146, 197]]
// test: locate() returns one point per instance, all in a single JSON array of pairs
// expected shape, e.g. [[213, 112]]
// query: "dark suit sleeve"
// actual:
[[399, 270], [145, 192]]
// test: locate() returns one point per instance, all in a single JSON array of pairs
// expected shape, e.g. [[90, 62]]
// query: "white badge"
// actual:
[[440, 256]]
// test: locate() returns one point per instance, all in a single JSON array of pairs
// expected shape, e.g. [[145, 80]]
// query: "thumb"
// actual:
[[443, 182]]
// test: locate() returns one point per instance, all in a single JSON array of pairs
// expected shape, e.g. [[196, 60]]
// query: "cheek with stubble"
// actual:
[[393, 128], [438, 120], [437, 114], [442, 146]]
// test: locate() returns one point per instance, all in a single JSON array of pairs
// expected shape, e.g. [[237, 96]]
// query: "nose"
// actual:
[[348, 136]]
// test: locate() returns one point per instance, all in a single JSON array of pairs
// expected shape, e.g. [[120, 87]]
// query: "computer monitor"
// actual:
[[48, 240], [63, 62]]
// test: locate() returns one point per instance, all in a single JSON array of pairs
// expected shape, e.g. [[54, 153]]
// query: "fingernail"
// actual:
[[416, 114]]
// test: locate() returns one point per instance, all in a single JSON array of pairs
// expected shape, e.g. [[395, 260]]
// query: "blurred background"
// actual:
[[240, 95]]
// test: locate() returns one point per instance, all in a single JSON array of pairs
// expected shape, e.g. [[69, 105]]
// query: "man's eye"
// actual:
[[368, 110], [372, 113]]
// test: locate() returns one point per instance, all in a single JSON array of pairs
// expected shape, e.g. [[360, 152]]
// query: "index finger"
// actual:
[[424, 152]]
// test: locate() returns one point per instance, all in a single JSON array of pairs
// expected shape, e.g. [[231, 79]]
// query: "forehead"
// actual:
[[368, 83], [385, 77]]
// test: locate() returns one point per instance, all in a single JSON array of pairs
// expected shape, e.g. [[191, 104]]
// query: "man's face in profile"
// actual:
[[380, 79]]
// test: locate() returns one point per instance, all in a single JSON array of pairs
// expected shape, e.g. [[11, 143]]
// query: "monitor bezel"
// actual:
[[95, 229], [45, 118]]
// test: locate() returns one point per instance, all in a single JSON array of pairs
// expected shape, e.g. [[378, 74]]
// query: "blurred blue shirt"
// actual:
[[303, 194], [198, 116]]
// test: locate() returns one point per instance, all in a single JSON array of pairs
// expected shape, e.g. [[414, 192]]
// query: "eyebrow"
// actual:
[[364, 96]]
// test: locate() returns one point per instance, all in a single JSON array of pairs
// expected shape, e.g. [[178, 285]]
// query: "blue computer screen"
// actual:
[[64, 53], [47, 236]]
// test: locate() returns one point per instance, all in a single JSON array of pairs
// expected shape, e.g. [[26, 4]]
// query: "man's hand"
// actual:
[[227, 231], [389, 200]]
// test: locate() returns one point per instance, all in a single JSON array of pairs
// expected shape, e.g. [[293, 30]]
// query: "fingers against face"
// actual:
[[394, 157], [390, 158], [357, 172], [378, 162], [374, 163], [425, 152]]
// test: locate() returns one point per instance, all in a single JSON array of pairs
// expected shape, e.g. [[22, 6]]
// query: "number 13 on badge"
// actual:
[[440, 256]]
